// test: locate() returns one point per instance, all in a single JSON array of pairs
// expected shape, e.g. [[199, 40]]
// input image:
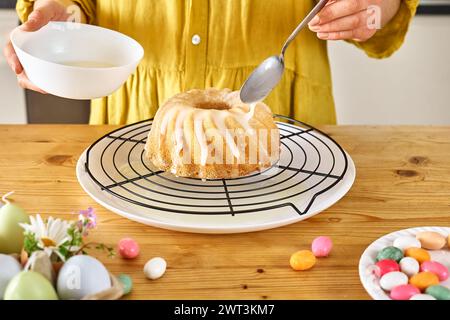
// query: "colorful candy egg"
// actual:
[[386, 266], [435, 267], [422, 296], [128, 248], [423, 280], [404, 292], [406, 242], [419, 254], [155, 268], [431, 240], [302, 260], [321, 246], [126, 282], [439, 292], [409, 266], [393, 279], [390, 253]]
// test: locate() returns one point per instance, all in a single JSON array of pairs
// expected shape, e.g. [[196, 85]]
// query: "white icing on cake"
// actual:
[[180, 112]]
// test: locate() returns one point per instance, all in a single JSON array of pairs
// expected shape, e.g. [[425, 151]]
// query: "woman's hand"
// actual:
[[44, 11], [353, 19]]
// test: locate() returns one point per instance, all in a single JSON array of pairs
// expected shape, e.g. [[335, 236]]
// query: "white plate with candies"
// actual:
[[410, 264]]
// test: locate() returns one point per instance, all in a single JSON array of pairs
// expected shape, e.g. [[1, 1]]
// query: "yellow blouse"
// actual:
[[217, 43]]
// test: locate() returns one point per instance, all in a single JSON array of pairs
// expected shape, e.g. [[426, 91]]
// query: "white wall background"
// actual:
[[411, 87], [12, 98]]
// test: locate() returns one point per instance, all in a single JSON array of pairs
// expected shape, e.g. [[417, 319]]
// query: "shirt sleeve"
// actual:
[[391, 37], [25, 7], [88, 7]]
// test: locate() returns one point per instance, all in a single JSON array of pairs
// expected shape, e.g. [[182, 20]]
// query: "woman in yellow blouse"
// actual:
[[217, 43]]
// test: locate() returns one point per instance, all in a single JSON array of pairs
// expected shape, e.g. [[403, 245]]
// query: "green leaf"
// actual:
[[64, 252], [30, 244]]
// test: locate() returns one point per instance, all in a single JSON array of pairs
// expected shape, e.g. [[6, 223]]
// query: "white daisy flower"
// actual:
[[50, 235]]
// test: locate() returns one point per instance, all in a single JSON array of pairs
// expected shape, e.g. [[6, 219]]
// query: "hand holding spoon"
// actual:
[[267, 75]]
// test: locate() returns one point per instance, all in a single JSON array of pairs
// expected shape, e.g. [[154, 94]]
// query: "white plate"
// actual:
[[367, 261], [274, 198]]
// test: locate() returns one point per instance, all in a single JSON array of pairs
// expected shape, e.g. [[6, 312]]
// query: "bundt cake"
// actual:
[[212, 134]]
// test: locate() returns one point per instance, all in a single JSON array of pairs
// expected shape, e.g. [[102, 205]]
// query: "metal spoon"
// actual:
[[267, 75]]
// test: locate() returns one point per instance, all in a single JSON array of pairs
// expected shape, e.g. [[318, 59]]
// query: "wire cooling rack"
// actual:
[[311, 165]]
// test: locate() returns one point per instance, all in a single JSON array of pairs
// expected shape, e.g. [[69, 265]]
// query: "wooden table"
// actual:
[[403, 180]]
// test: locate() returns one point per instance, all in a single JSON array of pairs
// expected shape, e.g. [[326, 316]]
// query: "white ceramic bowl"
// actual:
[[77, 61]]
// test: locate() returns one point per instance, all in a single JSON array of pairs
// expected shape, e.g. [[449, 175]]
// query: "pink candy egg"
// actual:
[[435, 267], [404, 292], [386, 266], [128, 248], [321, 246]]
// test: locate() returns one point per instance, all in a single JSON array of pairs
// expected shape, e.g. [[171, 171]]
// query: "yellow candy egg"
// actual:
[[419, 254], [431, 240], [302, 260], [423, 280]]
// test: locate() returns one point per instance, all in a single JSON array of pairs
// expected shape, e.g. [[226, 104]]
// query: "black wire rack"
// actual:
[[311, 164]]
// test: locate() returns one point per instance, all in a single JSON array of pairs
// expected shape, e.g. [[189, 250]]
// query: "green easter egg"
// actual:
[[30, 285], [439, 292], [127, 283], [390, 253], [11, 234]]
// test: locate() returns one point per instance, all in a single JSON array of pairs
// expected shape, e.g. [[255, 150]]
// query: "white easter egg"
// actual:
[[80, 276], [406, 242], [422, 296], [155, 268], [9, 267], [409, 266], [392, 279]]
